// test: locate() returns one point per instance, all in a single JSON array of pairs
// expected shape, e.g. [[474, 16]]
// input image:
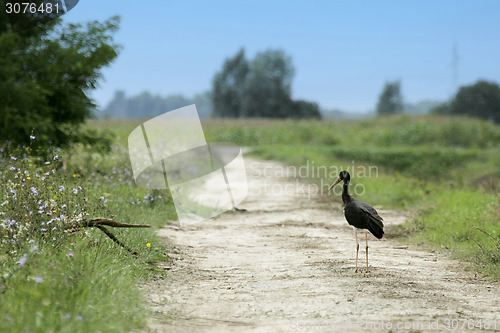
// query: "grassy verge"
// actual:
[[53, 280]]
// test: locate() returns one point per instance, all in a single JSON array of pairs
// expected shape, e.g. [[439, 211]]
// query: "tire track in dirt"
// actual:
[[287, 264]]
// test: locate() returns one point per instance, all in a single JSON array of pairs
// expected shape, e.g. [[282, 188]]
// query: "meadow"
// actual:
[[444, 171]]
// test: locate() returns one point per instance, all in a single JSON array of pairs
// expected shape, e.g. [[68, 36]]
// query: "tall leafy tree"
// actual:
[[228, 86], [481, 99], [258, 88], [268, 86], [390, 100], [46, 74]]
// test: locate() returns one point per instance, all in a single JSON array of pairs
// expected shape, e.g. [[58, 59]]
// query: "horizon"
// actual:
[[343, 52]]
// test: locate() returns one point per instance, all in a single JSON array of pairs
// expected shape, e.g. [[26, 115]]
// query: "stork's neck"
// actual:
[[346, 197]]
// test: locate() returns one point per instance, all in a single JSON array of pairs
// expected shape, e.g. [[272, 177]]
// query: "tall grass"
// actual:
[[56, 280]]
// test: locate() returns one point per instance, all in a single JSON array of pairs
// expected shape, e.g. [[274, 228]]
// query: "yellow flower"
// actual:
[[74, 175], [28, 178], [148, 244]]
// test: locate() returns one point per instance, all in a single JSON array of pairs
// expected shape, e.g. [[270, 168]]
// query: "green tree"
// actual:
[[390, 100], [46, 73], [228, 86], [258, 88], [267, 89], [481, 100], [305, 109]]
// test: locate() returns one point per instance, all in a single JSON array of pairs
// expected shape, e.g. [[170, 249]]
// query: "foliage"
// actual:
[[228, 86], [305, 109], [390, 100], [45, 76], [481, 100], [146, 105], [266, 92], [260, 88]]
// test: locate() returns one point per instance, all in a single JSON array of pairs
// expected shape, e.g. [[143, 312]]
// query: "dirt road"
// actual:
[[287, 265]]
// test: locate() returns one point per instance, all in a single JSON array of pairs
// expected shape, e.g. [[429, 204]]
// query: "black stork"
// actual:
[[359, 214]]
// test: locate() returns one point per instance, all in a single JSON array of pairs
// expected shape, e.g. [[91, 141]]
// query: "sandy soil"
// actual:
[[287, 264]]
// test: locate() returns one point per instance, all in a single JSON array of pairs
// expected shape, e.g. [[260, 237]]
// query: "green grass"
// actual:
[[465, 222], [77, 288], [83, 281]]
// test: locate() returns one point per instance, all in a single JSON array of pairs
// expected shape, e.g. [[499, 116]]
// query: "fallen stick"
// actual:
[[100, 223]]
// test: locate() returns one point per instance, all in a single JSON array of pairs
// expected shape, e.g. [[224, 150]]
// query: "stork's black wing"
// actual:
[[361, 215]]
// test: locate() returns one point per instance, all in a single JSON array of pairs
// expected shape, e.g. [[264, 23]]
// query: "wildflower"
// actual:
[[32, 137], [38, 279], [28, 178], [61, 188], [14, 158], [148, 244], [48, 162], [70, 254], [75, 191], [74, 175], [23, 260], [12, 168], [33, 190]]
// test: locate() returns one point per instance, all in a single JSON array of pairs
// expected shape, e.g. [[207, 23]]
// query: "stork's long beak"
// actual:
[[336, 182]]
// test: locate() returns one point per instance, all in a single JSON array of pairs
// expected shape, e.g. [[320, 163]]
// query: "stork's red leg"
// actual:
[[357, 248], [366, 237]]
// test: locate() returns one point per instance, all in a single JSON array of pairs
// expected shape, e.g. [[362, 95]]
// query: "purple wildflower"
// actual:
[[23, 260]]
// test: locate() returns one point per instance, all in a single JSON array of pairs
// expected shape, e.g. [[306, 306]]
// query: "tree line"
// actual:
[[47, 72], [479, 100], [146, 105]]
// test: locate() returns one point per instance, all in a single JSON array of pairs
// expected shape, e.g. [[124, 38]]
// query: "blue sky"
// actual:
[[343, 51]]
